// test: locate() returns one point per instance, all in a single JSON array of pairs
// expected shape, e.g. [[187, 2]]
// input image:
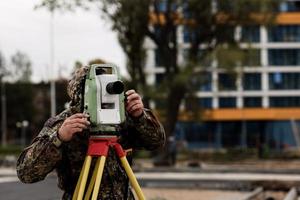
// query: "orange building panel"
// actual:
[[244, 114], [288, 18], [282, 18], [234, 114]]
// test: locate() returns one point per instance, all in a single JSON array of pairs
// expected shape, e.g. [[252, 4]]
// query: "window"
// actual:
[[255, 132], [284, 33], [284, 81], [186, 10], [225, 5], [197, 134], [158, 60], [163, 6], [157, 31], [279, 135], [205, 102], [252, 81], [227, 102], [205, 82], [289, 6], [250, 34], [186, 35], [252, 102], [192, 104], [284, 101], [190, 33], [284, 57], [227, 82], [201, 81], [230, 133], [159, 78]]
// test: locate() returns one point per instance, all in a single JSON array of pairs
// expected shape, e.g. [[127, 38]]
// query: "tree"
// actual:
[[3, 73], [3, 67], [2, 63], [20, 67], [210, 25]]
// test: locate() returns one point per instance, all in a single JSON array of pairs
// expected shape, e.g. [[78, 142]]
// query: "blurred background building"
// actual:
[[259, 107]]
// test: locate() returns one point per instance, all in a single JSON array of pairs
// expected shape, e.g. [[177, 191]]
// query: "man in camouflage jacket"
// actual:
[[62, 145]]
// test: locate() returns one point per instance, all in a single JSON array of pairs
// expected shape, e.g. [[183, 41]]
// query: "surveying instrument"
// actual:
[[104, 103]]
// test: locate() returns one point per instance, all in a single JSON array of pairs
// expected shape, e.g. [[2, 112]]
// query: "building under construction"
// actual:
[[261, 107]]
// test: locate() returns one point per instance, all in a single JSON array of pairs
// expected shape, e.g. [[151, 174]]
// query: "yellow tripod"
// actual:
[[98, 147]]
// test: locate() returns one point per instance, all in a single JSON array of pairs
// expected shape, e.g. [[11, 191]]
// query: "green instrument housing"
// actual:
[[106, 111]]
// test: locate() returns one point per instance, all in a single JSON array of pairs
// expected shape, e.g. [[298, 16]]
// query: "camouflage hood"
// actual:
[[75, 87]]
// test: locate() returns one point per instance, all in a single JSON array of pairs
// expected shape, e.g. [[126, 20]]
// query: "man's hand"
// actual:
[[134, 104], [73, 124]]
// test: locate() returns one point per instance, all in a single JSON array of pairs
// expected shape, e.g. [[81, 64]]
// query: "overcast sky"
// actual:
[[82, 36]]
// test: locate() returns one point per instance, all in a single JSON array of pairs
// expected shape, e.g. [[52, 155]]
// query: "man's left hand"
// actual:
[[134, 104]]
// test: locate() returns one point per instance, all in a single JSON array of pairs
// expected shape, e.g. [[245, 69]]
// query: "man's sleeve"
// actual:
[[146, 131], [41, 157]]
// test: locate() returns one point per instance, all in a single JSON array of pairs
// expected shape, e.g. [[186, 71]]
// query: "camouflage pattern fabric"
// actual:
[[42, 156], [75, 85]]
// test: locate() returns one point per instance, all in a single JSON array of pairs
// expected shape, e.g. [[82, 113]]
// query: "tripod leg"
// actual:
[[92, 182], [78, 194], [98, 177], [132, 178], [75, 195]]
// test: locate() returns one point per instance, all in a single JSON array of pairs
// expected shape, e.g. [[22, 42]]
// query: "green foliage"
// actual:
[[130, 20], [20, 70], [10, 150], [2, 63], [19, 102], [30, 102], [141, 154]]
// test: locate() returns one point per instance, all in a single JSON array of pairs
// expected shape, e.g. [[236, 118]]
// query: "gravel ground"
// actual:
[[180, 194]]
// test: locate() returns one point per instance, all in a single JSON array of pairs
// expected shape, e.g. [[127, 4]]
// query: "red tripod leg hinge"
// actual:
[[119, 150]]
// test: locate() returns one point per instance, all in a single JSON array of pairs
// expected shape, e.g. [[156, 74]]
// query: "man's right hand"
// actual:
[[73, 124]]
